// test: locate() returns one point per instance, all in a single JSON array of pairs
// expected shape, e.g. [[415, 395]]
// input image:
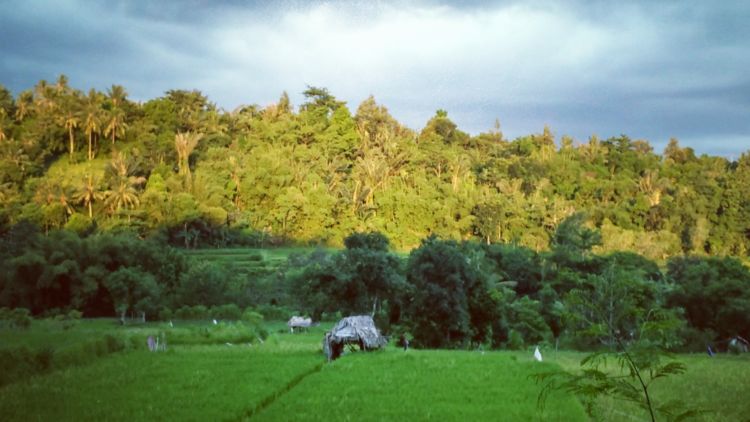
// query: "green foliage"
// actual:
[[635, 367], [15, 318], [363, 279], [573, 241], [205, 283], [612, 305], [714, 294], [273, 175], [229, 311], [374, 241], [450, 303]]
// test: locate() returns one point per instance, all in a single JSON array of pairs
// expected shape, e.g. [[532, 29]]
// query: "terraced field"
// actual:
[[249, 262]]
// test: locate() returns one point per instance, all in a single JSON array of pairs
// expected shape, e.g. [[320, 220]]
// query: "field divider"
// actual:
[[268, 400]]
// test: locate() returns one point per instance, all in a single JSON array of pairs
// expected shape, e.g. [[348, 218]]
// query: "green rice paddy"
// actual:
[[285, 377]]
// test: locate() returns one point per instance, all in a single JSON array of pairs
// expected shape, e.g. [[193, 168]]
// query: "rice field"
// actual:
[[423, 385], [249, 262], [285, 377]]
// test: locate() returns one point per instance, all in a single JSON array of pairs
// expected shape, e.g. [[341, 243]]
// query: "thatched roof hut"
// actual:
[[359, 330], [299, 322]]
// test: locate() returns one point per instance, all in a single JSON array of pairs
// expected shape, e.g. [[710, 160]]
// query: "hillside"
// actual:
[[177, 166]]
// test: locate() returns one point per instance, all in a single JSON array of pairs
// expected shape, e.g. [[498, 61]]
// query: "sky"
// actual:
[[649, 70]]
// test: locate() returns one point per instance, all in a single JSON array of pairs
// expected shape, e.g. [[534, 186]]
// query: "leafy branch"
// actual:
[[636, 366]]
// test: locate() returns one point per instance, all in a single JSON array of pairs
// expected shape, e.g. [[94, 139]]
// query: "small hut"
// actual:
[[298, 322], [359, 330]]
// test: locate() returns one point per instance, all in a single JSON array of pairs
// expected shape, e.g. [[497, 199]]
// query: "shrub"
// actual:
[[15, 318], [229, 311], [192, 312], [165, 314], [275, 312], [515, 340], [252, 317]]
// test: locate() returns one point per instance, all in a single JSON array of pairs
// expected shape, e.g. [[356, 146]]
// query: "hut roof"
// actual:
[[359, 329], [298, 321]]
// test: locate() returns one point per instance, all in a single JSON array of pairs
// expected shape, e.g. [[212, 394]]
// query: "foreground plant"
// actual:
[[626, 373]]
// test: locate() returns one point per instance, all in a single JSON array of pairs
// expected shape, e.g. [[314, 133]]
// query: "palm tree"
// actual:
[[71, 122], [116, 125], [88, 193], [91, 121], [64, 196], [3, 136], [117, 95], [24, 105], [62, 84], [45, 193], [124, 194], [70, 118], [184, 144]]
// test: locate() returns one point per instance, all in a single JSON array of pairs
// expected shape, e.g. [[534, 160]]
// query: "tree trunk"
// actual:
[[72, 145]]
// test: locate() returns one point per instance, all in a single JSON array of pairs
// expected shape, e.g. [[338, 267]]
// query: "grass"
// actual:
[[422, 385], [43, 333], [48, 346], [285, 377], [188, 383], [720, 385]]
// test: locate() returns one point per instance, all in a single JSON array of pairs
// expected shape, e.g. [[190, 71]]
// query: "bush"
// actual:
[[252, 317], [69, 320], [165, 314], [15, 318], [275, 312], [230, 312], [192, 312], [515, 340]]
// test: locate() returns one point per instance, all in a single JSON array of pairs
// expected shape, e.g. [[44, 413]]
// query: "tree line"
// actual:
[[449, 294], [179, 167], [444, 294]]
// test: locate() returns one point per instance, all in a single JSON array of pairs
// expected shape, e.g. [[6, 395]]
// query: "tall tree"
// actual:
[[70, 117], [88, 193], [184, 144], [116, 125], [92, 119]]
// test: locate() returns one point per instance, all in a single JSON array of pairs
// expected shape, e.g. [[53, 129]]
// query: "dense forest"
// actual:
[[180, 168]]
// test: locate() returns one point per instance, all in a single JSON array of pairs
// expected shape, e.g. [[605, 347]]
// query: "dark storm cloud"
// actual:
[[650, 70]]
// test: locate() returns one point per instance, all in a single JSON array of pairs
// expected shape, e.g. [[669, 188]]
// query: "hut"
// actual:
[[298, 322], [358, 330]]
